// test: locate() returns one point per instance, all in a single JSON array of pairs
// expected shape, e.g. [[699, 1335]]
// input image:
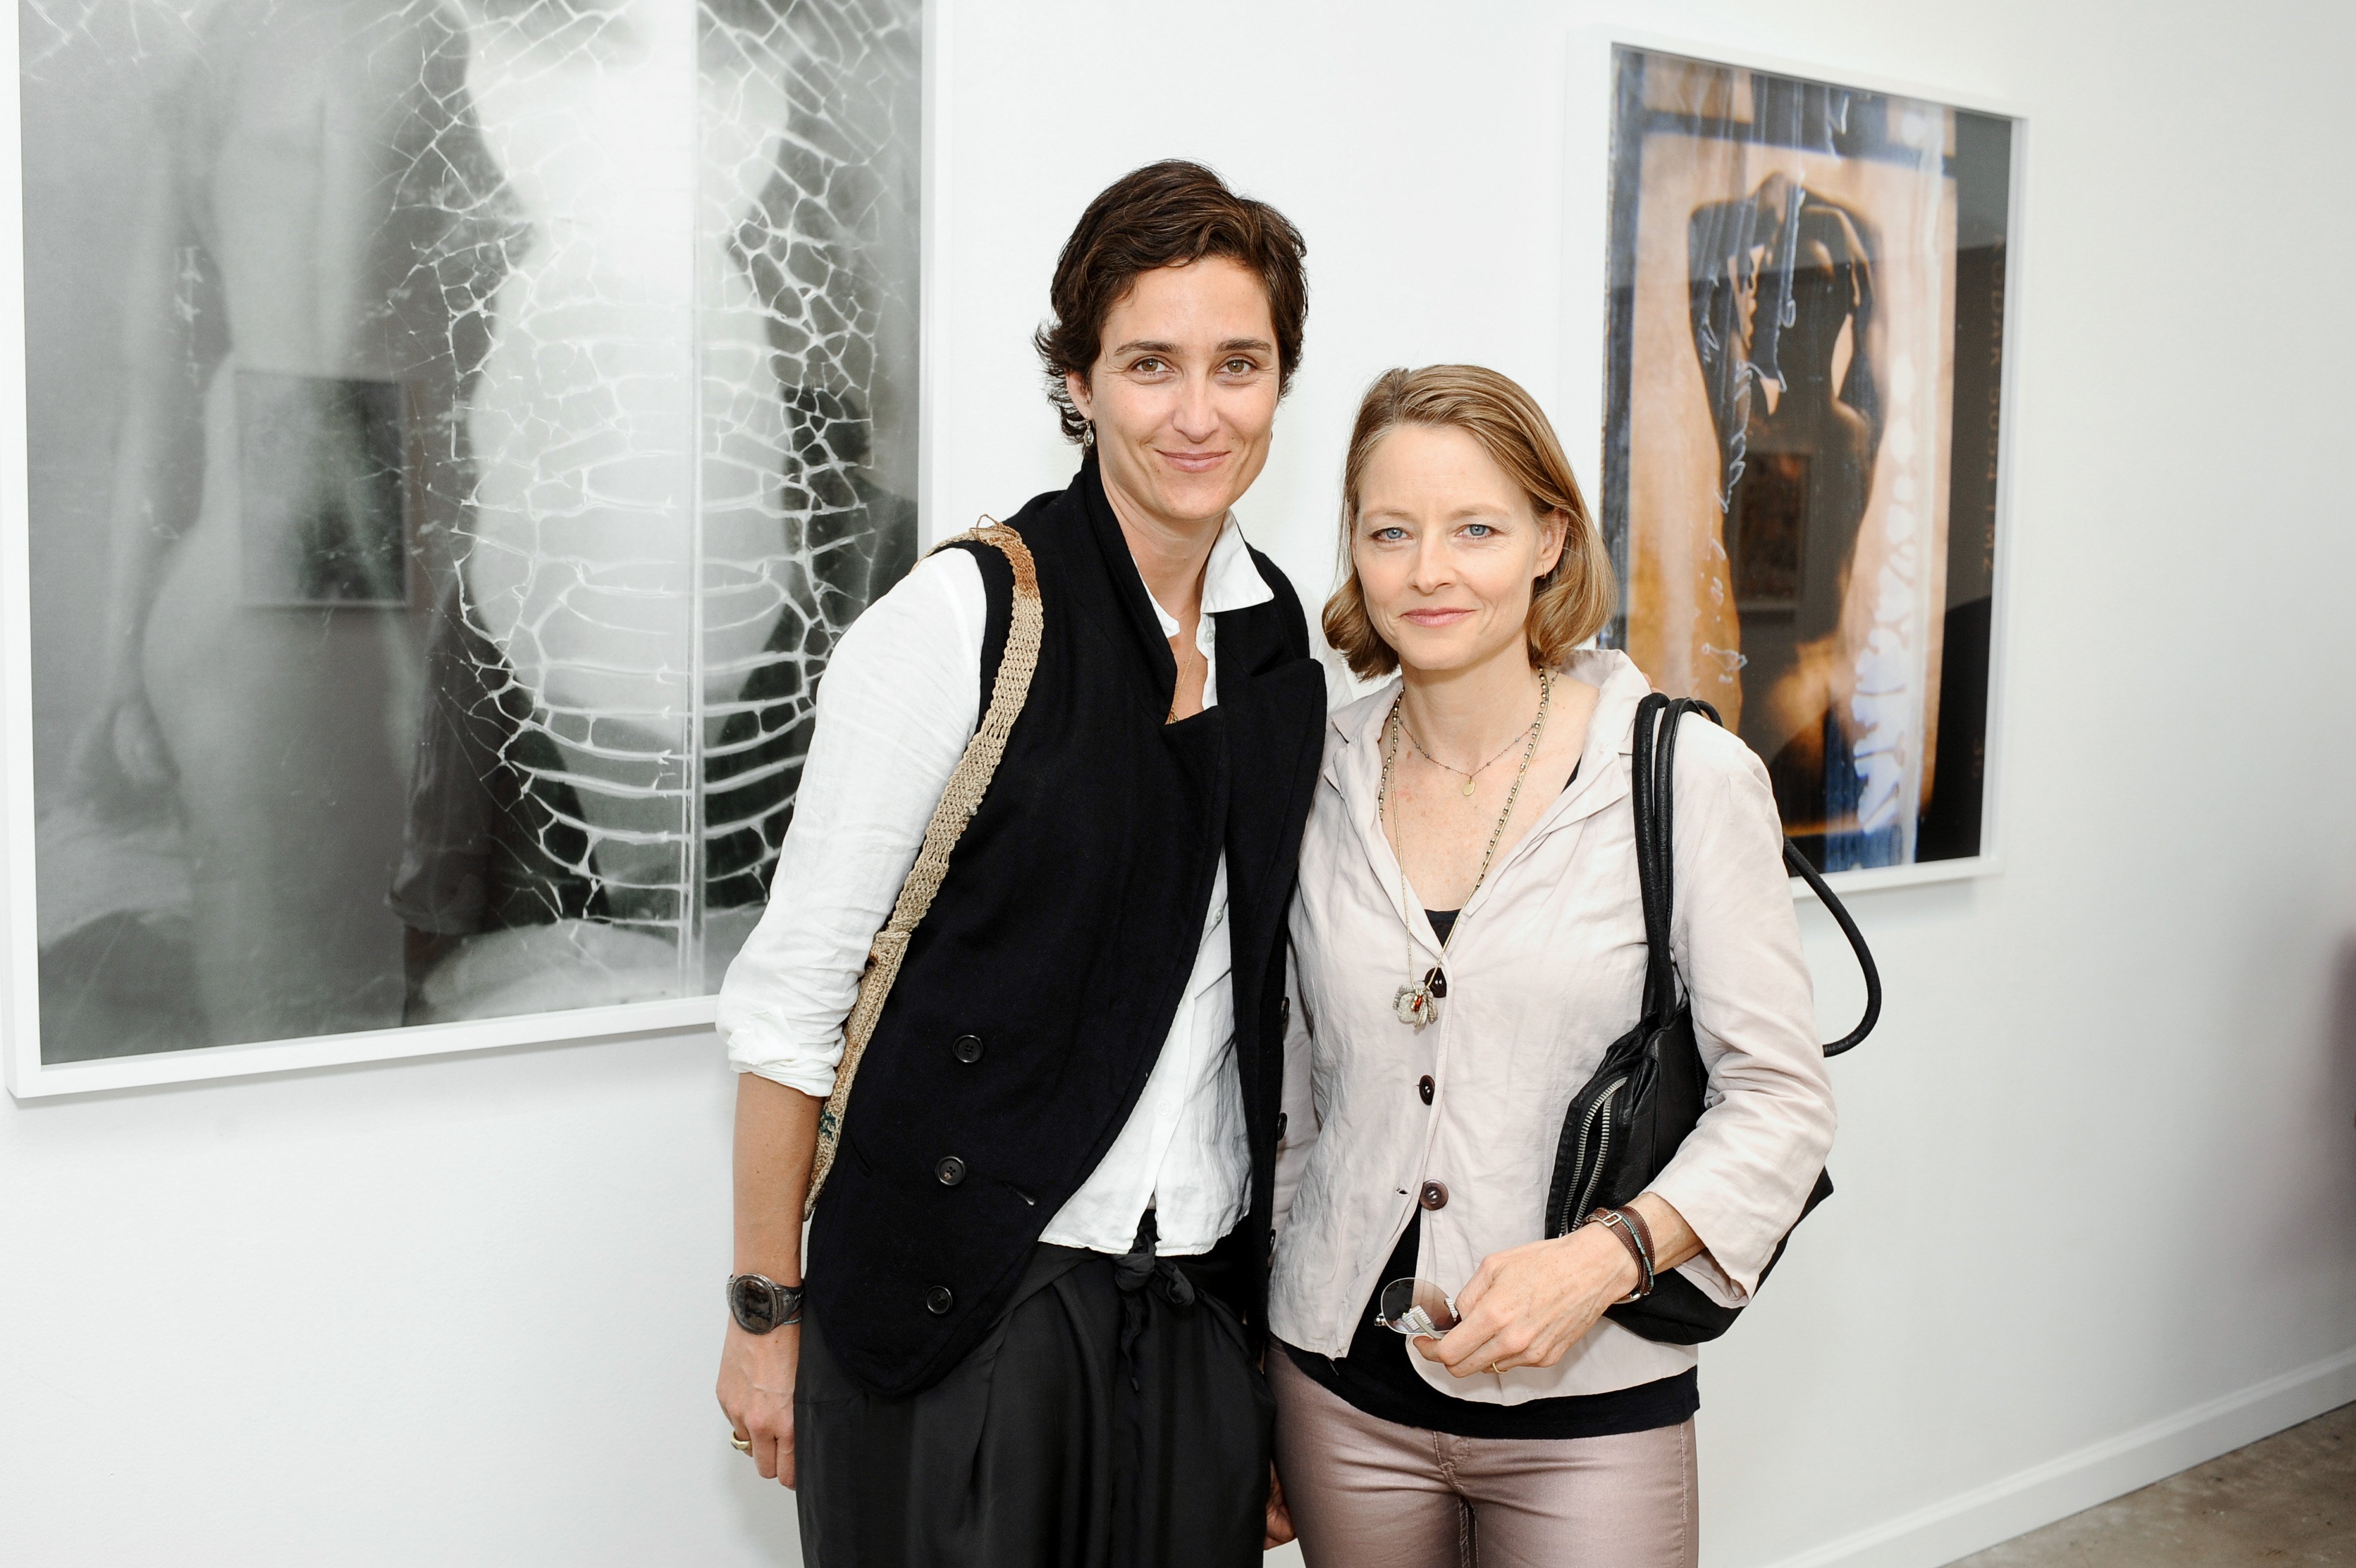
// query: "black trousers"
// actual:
[[1114, 1418]]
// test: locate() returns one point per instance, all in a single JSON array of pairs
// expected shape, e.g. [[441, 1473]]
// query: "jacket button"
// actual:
[[1280, 1119], [1435, 1195], [938, 1300], [951, 1170], [967, 1049], [1423, 1087]]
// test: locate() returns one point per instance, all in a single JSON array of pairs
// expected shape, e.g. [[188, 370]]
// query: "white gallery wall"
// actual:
[[2097, 1209]]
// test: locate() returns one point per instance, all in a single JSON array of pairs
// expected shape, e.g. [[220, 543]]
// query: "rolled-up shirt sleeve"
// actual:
[[1742, 1174], [899, 701]]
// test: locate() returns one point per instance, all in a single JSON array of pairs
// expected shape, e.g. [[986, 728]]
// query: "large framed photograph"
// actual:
[[447, 439], [1805, 308]]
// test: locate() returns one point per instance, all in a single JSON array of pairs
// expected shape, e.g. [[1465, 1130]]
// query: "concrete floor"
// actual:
[[2286, 1502]]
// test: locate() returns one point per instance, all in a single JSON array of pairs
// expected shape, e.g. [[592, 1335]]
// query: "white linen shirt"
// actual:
[[1546, 972], [900, 699]]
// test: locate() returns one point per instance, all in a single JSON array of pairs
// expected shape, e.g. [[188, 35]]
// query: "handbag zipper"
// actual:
[[1602, 1150]]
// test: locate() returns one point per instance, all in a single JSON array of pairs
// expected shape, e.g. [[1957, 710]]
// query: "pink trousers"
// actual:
[[1367, 1493]]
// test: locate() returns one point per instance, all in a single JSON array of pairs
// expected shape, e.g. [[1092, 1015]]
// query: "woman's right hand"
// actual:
[[121, 762], [757, 1392]]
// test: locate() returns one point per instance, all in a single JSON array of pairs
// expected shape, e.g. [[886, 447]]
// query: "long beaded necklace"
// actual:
[[1418, 1002]]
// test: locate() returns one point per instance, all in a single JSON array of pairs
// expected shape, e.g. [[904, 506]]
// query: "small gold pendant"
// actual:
[[1467, 788], [1414, 1006]]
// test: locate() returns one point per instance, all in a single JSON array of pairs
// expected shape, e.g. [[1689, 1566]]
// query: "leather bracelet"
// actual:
[[1643, 1239], [1618, 1221]]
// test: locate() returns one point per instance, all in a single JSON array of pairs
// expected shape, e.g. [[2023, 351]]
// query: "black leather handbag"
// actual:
[[1626, 1124]]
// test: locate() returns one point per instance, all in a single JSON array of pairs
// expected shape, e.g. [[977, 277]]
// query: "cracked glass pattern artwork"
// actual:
[[461, 430], [1803, 399]]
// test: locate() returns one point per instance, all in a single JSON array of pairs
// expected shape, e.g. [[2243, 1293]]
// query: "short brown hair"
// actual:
[[1164, 215], [1570, 604]]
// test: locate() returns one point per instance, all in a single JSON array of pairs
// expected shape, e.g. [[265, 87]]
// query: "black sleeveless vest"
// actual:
[[1037, 992]]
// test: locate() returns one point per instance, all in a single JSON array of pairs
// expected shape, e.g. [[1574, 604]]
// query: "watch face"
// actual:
[[749, 1299]]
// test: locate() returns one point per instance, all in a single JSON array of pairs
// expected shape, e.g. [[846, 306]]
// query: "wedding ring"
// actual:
[[742, 1445]]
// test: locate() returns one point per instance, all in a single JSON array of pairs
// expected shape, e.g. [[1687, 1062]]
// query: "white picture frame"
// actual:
[[1588, 125], [26, 1075]]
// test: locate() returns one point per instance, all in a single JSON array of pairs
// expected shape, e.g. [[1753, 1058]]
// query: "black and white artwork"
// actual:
[[1803, 405], [460, 430]]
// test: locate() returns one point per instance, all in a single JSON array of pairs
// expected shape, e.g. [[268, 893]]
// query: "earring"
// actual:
[[1088, 434]]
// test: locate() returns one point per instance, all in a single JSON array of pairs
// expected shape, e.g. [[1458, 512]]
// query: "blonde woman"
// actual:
[[1469, 939]]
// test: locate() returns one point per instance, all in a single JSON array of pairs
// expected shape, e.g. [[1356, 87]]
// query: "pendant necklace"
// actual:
[[1470, 779], [1417, 1003]]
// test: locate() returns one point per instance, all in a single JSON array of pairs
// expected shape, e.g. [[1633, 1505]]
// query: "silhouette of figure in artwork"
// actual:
[[289, 347], [1781, 310]]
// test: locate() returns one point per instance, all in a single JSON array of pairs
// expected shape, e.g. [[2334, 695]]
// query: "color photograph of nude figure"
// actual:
[[1802, 410], [461, 430]]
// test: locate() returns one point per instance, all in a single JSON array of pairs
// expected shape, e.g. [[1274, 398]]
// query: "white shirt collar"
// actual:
[[1230, 581]]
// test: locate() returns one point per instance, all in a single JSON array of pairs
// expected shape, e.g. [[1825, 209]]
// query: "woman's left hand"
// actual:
[[1279, 1515], [1529, 1305]]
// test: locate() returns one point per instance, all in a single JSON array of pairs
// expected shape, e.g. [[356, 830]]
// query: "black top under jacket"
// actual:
[[1037, 992]]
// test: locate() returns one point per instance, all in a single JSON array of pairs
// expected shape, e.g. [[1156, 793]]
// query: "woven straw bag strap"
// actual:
[[959, 802]]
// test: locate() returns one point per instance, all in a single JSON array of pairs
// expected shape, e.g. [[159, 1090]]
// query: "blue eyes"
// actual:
[[1470, 531]]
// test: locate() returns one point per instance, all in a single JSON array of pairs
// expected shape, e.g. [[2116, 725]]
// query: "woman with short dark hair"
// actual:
[[1039, 1254], [1470, 937]]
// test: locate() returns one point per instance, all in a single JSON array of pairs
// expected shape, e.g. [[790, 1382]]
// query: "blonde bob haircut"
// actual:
[[1570, 604]]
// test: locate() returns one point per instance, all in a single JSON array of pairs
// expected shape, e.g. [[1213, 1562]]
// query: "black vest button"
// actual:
[[1284, 1011], [967, 1049], [1435, 1195], [1280, 1120], [951, 1170], [1423, 1087], [938, 1300]]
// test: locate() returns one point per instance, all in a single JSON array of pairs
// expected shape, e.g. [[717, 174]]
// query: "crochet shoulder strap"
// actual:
[[959, 802]]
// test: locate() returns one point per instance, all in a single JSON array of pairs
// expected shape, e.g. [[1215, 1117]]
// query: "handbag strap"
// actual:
[[1658, 719], [1839, 911], [960, 800], [1655, 760]]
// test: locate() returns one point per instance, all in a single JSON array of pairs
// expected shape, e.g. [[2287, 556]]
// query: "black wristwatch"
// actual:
[[760, 1303]]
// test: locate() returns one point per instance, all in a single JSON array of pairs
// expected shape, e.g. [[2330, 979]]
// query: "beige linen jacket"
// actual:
[[1546, 974]]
